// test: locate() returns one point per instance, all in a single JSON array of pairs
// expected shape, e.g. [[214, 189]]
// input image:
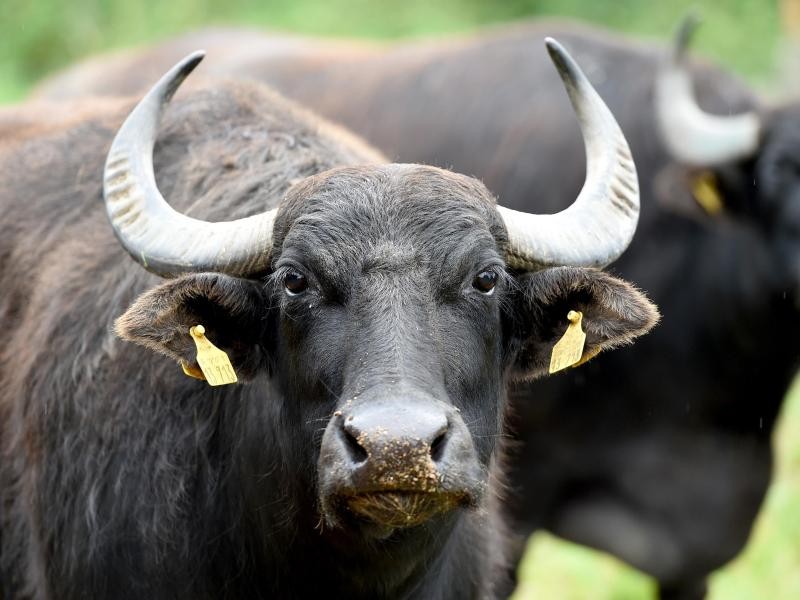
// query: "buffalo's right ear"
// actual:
[[614, 314], [233, 312]]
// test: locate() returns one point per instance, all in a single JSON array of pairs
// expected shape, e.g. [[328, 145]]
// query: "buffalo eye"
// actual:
[[485, 281], [295, 283]]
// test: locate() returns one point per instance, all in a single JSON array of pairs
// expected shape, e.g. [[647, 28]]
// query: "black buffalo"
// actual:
[[660, 455], [374, 313]]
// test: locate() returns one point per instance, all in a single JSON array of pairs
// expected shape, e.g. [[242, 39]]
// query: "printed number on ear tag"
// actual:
[[569, 349], [215, 366]]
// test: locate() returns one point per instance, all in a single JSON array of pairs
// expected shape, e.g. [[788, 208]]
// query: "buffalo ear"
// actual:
[[614, 313], [233, 312]]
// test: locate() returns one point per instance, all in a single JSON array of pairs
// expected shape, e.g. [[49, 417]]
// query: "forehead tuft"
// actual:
[[393, 183], [412, 204]]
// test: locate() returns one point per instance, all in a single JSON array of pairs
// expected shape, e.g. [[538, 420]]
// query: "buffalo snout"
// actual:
[[397, 462]]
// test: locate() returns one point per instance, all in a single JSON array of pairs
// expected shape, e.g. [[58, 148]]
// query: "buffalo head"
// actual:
[[383, 308], [751, 158]]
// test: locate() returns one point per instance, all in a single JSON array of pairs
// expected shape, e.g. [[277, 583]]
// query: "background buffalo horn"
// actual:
[[600, 223], [693, 136], [159, 238]]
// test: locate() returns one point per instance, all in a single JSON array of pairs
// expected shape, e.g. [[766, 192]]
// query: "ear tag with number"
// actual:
[[215, 366], [706, 193], [569, 349]]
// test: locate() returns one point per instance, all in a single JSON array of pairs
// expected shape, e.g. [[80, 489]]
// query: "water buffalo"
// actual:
[[373, 313], [666, 468]]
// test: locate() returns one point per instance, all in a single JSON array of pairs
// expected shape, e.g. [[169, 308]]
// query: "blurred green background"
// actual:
[[40, 36]]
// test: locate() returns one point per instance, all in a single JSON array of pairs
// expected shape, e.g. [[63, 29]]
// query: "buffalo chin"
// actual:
[[402, 509]]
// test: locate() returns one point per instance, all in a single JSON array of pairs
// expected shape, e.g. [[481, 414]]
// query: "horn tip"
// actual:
[[686, 28], [565, 65], [174, 78], [559, 55], [191, 61], [554, 47]]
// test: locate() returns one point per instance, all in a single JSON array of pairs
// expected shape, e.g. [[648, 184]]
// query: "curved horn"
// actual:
[[159, 238], [691, 135], [600, 223]]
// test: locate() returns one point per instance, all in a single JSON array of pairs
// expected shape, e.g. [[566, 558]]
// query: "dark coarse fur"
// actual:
[[122, 478], [660, 455]]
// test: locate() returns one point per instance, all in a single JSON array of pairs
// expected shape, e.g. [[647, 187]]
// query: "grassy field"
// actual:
[[40, 36], [37, 37]]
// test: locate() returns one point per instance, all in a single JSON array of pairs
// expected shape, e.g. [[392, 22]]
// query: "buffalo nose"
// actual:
[[413, 433], [398, 460]]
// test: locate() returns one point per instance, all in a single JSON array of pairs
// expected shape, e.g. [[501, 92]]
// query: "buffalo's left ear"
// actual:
[[614, 313], [233, 312]]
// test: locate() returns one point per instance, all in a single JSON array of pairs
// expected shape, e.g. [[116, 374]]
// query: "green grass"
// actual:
[[769, 568], [40, 36]]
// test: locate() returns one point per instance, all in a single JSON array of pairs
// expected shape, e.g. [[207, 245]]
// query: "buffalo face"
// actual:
[[390, 312], [759, 199], [750, 160], [379, 313], [399, 314]]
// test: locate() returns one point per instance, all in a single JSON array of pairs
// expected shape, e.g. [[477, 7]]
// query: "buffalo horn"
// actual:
[[159, 238], [598, 226], [593, 231], [693, 136]]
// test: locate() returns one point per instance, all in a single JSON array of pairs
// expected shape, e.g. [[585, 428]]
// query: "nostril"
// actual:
[[437, 447], [354, 449]]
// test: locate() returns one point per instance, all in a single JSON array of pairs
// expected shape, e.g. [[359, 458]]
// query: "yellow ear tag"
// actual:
[[569, 349], [192, 371], [706, 193], [214, 363]]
